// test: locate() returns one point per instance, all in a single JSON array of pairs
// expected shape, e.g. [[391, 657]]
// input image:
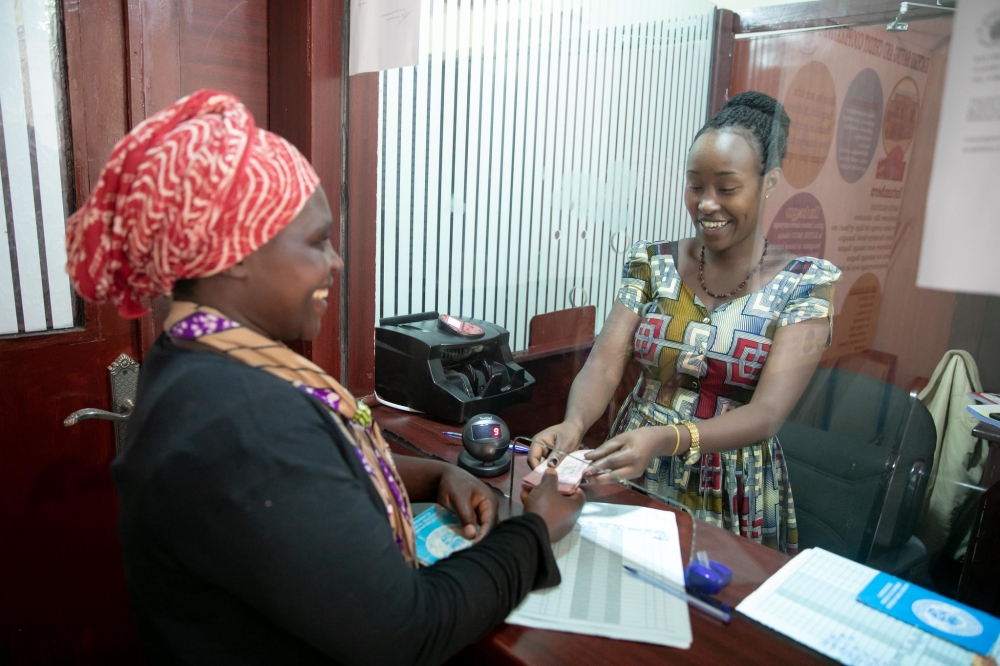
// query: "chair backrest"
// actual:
[[562, 328], [858, 452]]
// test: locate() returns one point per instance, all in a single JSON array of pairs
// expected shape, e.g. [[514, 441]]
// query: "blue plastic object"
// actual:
[[707, 576]]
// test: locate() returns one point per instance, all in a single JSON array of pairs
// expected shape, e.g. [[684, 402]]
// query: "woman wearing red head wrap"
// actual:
[[262, 517]]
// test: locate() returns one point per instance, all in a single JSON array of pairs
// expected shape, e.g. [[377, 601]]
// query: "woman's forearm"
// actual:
[[591, 392], [420, 476], [739, 427], [594, 387]]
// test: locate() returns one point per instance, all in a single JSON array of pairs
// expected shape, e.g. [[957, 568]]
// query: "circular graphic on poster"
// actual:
[[856, 321], [859, 125], [811, 103], [900, 121], [989, 30], [800, 227]]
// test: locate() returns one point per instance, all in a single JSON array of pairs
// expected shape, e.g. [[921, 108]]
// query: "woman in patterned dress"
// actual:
[[728, 331]]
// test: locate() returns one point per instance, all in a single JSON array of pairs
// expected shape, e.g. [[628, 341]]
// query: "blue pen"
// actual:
[[679, 593]]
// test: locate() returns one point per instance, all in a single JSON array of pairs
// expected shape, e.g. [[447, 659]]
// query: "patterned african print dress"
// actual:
[[697, 364]]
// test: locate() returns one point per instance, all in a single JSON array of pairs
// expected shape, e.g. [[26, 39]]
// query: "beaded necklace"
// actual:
[[701, 274]]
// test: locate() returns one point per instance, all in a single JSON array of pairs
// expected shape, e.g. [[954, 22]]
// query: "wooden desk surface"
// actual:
[[742, 641]]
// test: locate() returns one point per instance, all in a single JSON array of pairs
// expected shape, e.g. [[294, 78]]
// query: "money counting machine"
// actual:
[[446, 367]]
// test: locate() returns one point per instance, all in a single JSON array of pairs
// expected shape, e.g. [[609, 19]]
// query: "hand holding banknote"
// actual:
[[569, 468], [559, 511]]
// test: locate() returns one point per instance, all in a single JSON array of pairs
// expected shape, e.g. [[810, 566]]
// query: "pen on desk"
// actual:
[[453, 435], [677, 592]]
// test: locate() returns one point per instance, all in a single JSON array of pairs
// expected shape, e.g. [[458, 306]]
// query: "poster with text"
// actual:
[[854, 96]]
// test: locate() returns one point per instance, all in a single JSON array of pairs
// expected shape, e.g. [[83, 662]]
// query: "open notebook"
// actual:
[[814, 600], [597, 597]]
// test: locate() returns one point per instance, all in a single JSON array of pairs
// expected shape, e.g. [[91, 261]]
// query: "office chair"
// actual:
[[859, 452]]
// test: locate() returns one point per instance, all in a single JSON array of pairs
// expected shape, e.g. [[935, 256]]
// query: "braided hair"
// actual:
[[760, 119]]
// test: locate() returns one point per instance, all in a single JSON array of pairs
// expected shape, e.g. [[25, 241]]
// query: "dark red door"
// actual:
[[62, 589], [62, 592]]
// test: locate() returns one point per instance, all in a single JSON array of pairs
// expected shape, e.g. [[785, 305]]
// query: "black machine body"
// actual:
[[423, 366], [486, 439]]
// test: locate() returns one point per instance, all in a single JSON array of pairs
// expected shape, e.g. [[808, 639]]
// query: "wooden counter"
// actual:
[[742, 641]]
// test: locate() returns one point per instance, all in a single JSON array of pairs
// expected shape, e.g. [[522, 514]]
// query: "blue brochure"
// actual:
[[439, 534], [941, 616]]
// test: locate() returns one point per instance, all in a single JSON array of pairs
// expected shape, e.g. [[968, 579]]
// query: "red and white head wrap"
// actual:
[[189, 192]]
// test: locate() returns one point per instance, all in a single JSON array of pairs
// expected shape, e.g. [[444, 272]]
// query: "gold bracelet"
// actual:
[[677, 432], [694, 451]]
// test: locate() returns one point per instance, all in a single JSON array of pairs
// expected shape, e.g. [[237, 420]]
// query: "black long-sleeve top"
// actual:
[[252, 535]]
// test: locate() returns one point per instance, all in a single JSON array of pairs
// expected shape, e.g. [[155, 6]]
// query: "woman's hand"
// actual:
[[628, 454], [557, 510], [563, 436], [471, 499]]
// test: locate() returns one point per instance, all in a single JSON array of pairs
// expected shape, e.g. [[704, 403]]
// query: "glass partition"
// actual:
[[537, 142], [883, 469]]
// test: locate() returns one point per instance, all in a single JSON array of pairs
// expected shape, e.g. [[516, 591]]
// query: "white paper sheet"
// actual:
[[385, 34], [962, 223], [813, 600], [597, 597]]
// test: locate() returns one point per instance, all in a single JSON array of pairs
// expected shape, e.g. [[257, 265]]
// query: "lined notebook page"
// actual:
[[597, 597], [813, 600]]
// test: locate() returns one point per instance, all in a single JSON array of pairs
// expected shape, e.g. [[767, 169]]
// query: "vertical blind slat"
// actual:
[[38, 41], [8, 306]]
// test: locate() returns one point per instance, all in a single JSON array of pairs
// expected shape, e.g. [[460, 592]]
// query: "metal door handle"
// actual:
[[124, 376], [92, 413]]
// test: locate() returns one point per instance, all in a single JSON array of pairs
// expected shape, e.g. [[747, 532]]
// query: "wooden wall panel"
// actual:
[[223, 46], [178, 47], [727, 24], [188, 45], [752, 71], [359, 255], [305, 105]]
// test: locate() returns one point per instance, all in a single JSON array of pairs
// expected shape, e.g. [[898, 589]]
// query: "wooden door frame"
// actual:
[[361, 190]]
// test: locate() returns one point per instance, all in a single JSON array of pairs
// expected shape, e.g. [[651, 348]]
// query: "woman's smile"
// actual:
[[321, 295], [713, 226]]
